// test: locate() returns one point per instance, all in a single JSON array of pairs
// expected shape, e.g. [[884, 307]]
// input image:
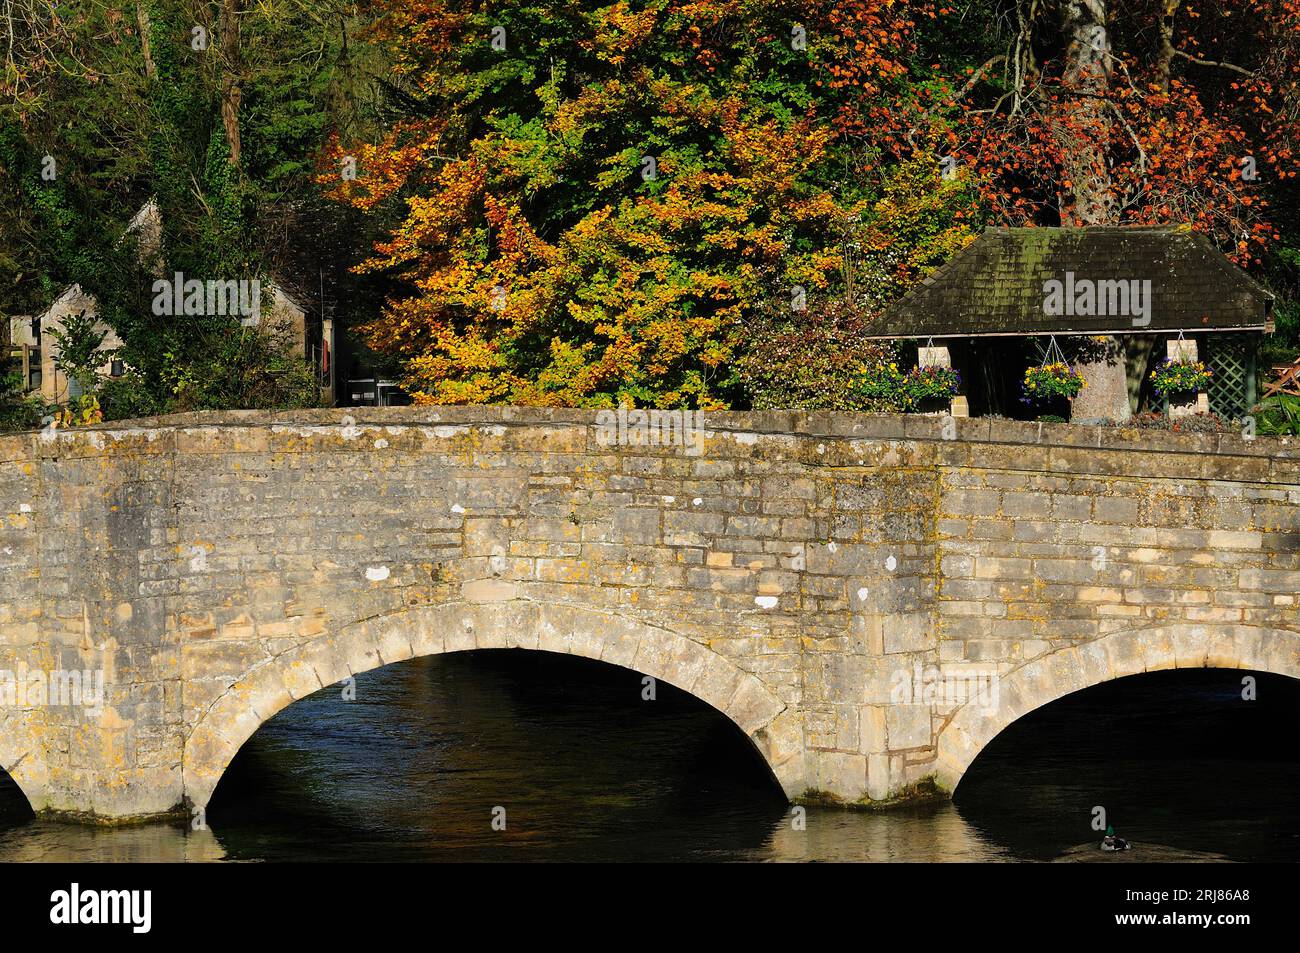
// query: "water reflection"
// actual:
[[37, 840], [929, 833], [585, 769]]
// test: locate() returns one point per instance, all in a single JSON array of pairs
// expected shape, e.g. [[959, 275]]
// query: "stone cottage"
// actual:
[[30, 335]]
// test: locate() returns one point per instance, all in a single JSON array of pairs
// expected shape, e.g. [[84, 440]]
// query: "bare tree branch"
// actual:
[[1215, 63]]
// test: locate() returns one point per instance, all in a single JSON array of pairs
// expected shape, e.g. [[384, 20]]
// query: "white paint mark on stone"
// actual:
[[891, 563], [766, 602], [24, 507], [746, 439], [697, 501], [831, 547], [381, 443], [349, 430], [457, 508], [863, 593], [198, 559], [670, 499], [821, 448], [377, 573]]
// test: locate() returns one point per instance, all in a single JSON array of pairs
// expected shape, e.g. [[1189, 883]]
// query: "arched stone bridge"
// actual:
[[823, 580]]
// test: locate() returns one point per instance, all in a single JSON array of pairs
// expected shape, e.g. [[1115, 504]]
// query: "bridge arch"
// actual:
[[1118, 655], [775, 729], [21, 755]]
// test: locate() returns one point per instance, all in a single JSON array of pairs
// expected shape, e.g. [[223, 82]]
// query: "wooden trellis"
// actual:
[[1232, 359]]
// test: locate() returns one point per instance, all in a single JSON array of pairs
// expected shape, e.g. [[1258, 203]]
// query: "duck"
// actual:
[[1111, 842]]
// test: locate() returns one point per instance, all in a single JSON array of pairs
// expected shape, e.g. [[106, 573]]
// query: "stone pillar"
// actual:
[[1106, 395], [933, 357], [1183, 349]]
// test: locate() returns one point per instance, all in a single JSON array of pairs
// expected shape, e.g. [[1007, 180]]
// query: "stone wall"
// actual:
[[795, 571]]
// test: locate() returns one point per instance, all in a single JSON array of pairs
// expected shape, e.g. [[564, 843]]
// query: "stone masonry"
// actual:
[[802, 573]]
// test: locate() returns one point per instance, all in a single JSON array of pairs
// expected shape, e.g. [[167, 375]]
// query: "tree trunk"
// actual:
[[231, 92], [146, 48], [1084, 134], [1165, 55], [1084, 128]]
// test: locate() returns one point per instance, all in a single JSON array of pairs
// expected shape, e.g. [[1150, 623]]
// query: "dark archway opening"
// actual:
[[414, 766], [14, 807], [1182, 764]]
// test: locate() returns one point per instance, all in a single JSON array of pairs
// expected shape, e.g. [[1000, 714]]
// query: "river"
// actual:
[[568, 758]]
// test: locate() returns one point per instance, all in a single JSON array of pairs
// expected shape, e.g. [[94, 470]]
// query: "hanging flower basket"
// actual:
[[1050, 389], [929, 389], [1180, 378], [1051, 381], [926, 389]]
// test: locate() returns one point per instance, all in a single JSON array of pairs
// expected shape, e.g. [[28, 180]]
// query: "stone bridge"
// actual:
[[807, 575]]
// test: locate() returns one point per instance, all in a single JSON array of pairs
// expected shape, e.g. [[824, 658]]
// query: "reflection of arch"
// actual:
[[429, 630], [1045, 679]]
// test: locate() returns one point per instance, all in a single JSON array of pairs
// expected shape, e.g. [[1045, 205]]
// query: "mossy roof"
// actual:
[[996, 285]]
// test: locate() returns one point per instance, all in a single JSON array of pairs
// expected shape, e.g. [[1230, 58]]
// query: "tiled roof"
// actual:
[[998, 285]]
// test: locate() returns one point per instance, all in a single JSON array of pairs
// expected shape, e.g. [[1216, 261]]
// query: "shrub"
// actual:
[[79, 356], [79, 412], [249, 369], [18, 411], [820, 359], [1192, 423], [1279, 415], [127, 397]]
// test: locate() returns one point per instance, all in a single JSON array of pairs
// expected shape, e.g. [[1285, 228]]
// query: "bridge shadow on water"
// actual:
[[1182, 764]]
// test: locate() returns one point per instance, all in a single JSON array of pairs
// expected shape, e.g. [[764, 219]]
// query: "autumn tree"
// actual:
[[1089, 112], [594, 204]]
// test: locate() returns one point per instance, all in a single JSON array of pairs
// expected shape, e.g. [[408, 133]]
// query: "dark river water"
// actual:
[[578, 767]]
